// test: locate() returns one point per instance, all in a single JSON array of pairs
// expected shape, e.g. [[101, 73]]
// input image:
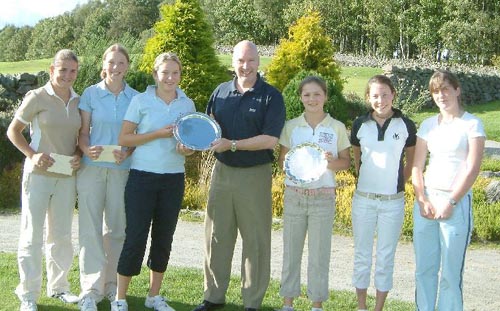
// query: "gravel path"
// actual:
[[481, 277]]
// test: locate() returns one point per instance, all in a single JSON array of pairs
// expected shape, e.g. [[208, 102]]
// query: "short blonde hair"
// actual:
[[163, 58]]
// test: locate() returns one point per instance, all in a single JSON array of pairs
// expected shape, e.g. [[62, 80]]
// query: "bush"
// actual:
[[139, 80], [335, 105], [184, 30], [486, 219], [486, 215], [10, 186], [307, 48]]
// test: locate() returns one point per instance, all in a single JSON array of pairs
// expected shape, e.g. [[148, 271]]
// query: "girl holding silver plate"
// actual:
[[155, 187], [319, 143]]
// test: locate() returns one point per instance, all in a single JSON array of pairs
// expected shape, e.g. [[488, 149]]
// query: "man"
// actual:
[[251, 114]]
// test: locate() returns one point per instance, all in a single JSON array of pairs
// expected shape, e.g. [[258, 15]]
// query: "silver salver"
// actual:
[[196, 131], [305, 163]]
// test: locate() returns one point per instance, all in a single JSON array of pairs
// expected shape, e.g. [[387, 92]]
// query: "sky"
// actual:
[[29, 12]]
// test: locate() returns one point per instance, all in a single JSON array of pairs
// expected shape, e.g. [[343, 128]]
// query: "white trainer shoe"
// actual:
[[87, 304], [158, 303], [119, 305], [28, 305], [66, 297], [111, 296]]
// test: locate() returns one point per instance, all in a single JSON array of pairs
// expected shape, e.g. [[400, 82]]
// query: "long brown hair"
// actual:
[[440, 77]]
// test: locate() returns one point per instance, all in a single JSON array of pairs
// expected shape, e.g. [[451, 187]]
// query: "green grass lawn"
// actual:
[[183, 287], [29, 66]]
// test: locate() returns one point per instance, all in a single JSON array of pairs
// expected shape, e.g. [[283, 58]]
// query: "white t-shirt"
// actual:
[[448, 145], [330, 135]]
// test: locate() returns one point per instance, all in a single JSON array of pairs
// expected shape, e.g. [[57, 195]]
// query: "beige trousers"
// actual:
[[239, 199], [48, 201], [101, 209]]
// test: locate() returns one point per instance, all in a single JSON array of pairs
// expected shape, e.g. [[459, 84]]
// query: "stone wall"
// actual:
[[477, 87], [14, 87], [480, 84]]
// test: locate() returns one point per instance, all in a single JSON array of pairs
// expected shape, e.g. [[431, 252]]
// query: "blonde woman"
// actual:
[[51, 111], [101, 183], [155, 187]]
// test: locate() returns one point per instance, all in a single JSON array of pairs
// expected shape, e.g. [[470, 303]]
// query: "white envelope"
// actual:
[[107, 153], [61, 165]]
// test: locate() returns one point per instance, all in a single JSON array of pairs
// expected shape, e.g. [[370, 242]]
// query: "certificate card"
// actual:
[[107, 153], [61, 164]]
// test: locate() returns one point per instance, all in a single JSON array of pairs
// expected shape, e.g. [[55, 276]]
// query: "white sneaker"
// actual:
[[119, 305], [87, 304], [158, 303], [111, 296], [66, 297], [28, 305]]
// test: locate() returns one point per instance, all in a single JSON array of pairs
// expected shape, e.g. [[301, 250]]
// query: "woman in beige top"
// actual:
[[51, 111]]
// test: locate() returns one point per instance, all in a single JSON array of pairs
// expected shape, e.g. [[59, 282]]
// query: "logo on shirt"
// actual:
[[325, 138], [252, 110], [395, 136]]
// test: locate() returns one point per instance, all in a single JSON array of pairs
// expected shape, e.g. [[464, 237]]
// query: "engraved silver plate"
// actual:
[[196, 131], [305, 163]]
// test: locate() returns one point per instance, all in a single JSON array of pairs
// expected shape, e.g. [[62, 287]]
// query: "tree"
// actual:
[[50, 35], [16, 48], [6, 35], [307, 48], [184, 30], [131, 16]]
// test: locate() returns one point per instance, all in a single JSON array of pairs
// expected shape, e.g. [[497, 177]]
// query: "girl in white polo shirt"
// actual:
[[381, 140], [310, 209], [442, 214], [155, 186]]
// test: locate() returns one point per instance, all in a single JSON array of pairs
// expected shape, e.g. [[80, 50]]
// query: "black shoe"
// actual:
[[208, 306]]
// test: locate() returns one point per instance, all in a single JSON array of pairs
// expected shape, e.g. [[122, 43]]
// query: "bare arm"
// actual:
[[259, 142], [129, 138], [409, 155], [281, 158], [15, 134], [342, 162], [92, 152], [417, 178], [356, 151]]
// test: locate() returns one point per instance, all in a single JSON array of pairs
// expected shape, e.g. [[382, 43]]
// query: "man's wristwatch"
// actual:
[[452, 202], [233, 145]]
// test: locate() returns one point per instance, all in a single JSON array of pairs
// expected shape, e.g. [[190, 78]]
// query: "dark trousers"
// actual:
[[151, 200]]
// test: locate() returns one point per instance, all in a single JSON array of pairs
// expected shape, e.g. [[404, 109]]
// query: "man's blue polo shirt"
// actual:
[[258, 111]]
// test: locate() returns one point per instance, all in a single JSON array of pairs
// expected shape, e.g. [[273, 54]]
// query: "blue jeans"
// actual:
[[151, 200], [441, 244]]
